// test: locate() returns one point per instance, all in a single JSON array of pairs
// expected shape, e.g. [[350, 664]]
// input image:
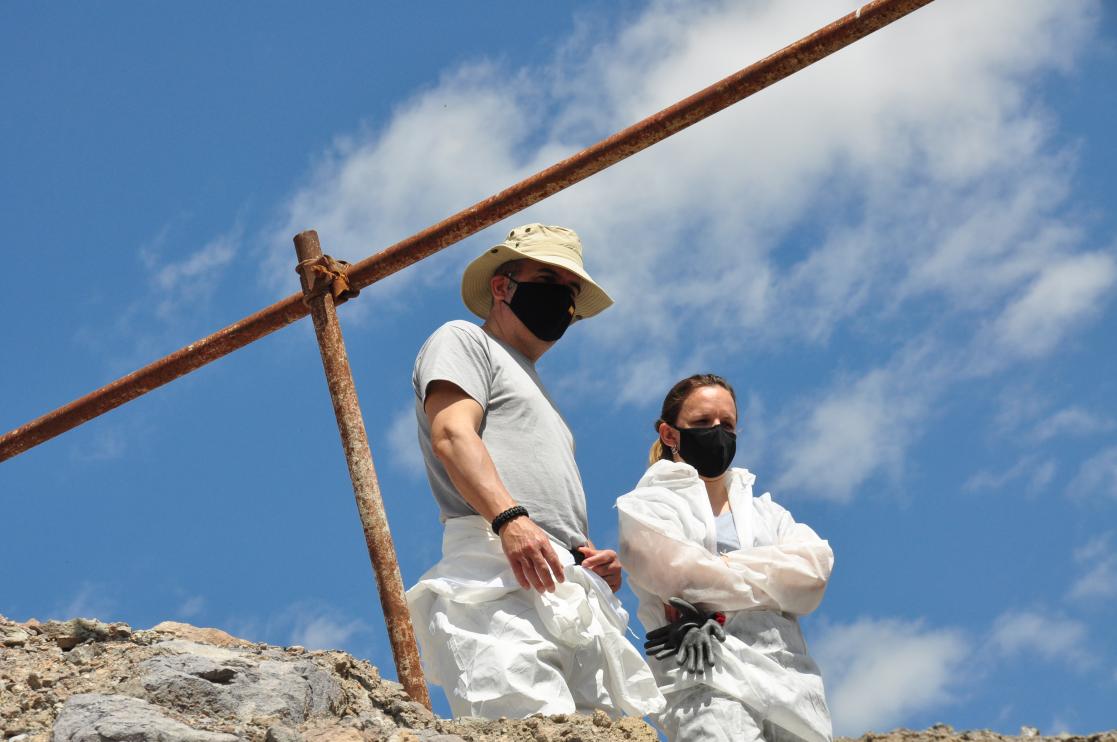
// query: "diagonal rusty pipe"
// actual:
[[362, 473], [659, 126]]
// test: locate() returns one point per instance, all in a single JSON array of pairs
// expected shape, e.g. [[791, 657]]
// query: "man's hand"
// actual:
[[604, 563], [529, 552]]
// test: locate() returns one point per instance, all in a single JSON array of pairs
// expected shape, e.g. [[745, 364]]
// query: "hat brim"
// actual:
[[478, 297]]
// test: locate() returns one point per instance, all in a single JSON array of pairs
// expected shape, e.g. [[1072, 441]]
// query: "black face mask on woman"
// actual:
[[546, 309], [709, 450]]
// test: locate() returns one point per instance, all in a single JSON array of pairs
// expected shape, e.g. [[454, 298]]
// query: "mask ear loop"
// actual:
[[514, 283]]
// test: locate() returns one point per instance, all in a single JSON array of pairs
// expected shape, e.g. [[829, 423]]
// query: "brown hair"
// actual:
[[673, 404], [510, 266]]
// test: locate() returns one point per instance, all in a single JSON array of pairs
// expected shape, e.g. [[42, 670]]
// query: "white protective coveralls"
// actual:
[[764, 684], [500, 650]]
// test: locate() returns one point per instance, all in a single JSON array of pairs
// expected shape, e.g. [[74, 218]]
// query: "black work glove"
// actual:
[[696, 651], [689, 638]]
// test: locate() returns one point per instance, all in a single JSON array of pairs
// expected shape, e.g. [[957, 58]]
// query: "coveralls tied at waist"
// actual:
[[476, 661]]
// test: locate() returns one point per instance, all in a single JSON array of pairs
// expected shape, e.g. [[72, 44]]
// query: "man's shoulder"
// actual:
[[462, 326], [458, 351], [454, 332], [455, 345], [458, 328]]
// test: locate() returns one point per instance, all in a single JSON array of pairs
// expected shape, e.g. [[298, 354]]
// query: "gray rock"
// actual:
[[81, 654], [93, 717], [240, 688], [13, 636], [281, 733], [69, 634], [184, 646], [374, 723]]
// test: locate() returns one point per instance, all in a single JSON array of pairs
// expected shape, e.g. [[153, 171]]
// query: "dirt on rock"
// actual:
[[946, 733], [87, 681]]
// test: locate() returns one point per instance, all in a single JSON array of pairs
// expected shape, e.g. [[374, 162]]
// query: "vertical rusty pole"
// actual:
[[366, 489]]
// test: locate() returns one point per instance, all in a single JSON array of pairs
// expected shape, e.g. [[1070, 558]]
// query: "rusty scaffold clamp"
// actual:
[[324, 283]]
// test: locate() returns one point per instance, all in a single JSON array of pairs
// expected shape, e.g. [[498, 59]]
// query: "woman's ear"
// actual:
[[669, 436]]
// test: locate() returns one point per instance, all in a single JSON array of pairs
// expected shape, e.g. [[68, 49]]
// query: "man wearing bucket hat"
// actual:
[[519, 616]]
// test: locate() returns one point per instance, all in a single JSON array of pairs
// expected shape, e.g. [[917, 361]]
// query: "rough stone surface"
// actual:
[[946, 733], [69, 634], [87, 681], [13, 636], [214, 637], [92, 717]]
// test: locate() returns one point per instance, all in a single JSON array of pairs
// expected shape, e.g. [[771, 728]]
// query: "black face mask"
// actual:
[[709, 450], [546, 309]]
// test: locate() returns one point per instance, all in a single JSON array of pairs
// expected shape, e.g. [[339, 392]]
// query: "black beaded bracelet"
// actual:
[[510, 514]]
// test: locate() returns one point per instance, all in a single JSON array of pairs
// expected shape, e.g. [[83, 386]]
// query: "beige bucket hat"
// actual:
[[557, 246]]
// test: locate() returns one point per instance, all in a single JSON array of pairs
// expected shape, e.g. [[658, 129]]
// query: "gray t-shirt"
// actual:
[[527, 438]]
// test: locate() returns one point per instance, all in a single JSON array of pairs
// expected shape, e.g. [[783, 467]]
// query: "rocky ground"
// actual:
[[87, 681], [946, 733]]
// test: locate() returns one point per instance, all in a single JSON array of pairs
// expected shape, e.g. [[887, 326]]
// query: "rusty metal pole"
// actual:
[[366, 489], [806, 51]]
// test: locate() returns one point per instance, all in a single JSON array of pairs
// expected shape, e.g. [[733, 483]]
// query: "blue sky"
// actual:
[[904, 258]]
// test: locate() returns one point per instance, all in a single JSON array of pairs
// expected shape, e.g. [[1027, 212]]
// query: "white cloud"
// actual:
[[741, 180], [1063, 295], [324, 631], [879, 672], [1026, 414], [195, 276], [849, 435], [1052, 638], [92, 600], [181, 283], [171, 302], [1032, 474], [1094, 549], [311, 624], [753, 431], [1071, 421], [1019, 408], [1097, 476], [441, 151], [646, 378], [403, 443], [192, 606], [831, 445], [1098, 559], [1059, 726], [830, 201], [107, 444]]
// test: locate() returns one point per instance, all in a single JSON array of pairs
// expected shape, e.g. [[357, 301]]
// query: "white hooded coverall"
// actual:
[[764, 685], [500, 650]]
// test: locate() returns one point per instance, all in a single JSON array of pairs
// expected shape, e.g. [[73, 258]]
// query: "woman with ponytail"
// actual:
[[722, 576]]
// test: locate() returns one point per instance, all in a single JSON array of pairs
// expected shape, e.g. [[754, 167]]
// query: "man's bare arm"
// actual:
[[455, 420]]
